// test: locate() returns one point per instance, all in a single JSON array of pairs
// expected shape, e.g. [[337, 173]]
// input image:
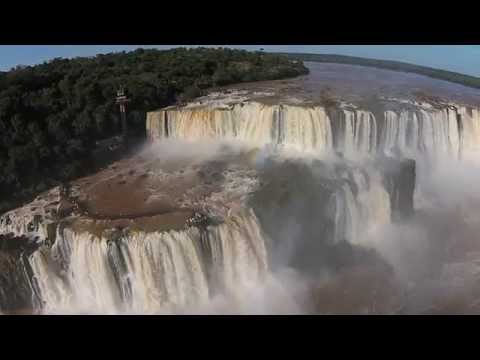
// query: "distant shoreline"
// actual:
[[454, 77]]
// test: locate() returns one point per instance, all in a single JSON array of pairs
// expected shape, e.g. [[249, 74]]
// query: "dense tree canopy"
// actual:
[[51, 115]]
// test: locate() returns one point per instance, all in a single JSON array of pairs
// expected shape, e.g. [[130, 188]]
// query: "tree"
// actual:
[[51, 114], [191, 92]]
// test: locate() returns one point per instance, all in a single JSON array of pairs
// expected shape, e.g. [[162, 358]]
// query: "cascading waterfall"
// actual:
[[253, 122], [23, 224], [308, 130], [435, 133], [149, 272], [470, 128], [152, 272], [354, 132], [138, 272], [360, 203], [238, 252]]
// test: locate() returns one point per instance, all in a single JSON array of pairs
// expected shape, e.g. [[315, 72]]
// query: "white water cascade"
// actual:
[[354, 132], [149, 272], [358, 214], [255, 123], [167, 272]]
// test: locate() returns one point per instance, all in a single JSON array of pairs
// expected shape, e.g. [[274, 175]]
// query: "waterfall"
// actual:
[[127, 271], [253, 122], [360, 203], [149, 272], [307, 130], [354, 132], [434, 133], [334, 202]]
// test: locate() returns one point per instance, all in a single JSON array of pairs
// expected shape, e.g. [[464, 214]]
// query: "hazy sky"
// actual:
[[461, 58]]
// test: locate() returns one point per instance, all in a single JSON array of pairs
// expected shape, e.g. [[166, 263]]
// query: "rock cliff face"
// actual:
[[18, 290]]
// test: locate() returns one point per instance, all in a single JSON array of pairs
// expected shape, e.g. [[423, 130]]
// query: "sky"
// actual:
[[460, 58]]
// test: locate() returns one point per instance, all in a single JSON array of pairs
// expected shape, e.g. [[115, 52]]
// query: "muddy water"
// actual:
[[356, 83]]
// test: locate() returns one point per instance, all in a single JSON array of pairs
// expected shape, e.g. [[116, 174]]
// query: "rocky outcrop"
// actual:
[[399, 180], [18, 289], [314, 210]]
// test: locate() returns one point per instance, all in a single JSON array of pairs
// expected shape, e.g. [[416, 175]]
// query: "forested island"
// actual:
[[52, 114], [466, 80]]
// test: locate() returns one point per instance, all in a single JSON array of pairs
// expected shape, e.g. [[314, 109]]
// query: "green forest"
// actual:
[[466, 80], [52, 114]]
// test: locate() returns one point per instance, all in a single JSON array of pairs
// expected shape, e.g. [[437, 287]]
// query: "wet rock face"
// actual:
[[399, 180], [364, 288], [17, 287], [23, 243], [292, 208], [316, 212], [199, 220]]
